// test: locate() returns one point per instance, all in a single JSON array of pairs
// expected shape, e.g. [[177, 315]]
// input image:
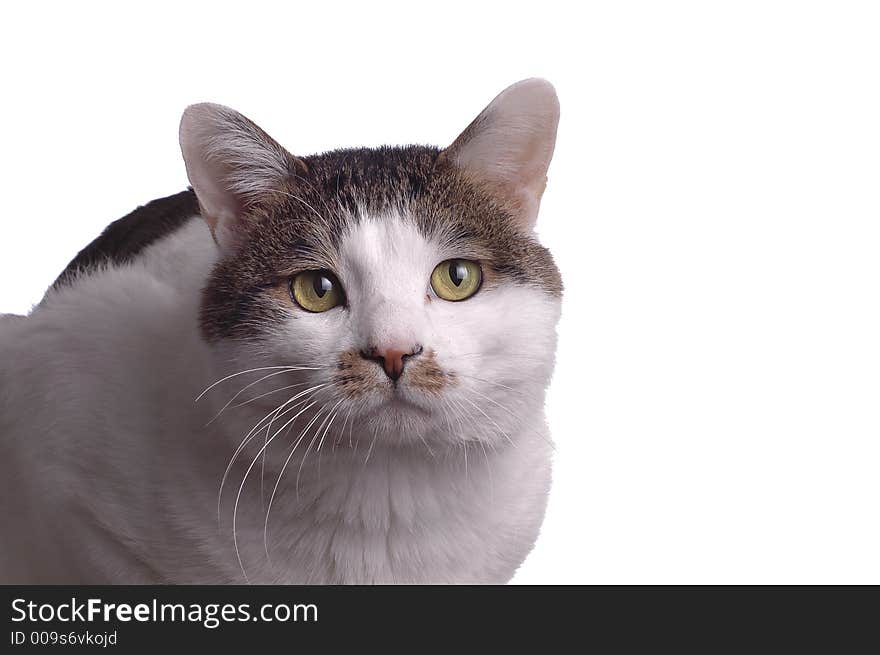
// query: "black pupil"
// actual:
[[322, 285], [457, 273]]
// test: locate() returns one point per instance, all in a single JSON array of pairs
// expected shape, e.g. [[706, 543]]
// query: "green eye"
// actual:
[[456, 279], [316, 291]]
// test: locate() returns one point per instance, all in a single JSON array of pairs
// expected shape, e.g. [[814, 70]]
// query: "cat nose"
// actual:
[[392, 358]]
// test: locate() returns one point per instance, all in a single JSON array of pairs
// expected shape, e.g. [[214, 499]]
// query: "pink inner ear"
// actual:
[[510, 144], [231, 163], [219, 205]]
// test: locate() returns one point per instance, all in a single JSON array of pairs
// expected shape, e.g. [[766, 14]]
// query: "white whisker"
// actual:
[[276, 413], [491, 420], [281, 475], [269, 393], [372, 443], [254, 370], [252, 384], [241, 487]]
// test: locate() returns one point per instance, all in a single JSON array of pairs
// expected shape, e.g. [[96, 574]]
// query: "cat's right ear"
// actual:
[[232, 165]]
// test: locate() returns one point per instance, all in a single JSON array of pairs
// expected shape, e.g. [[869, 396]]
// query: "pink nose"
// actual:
[[392, 358]]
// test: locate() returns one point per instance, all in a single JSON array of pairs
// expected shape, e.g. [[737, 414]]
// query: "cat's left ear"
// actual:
[[232, 165], [508, 147]]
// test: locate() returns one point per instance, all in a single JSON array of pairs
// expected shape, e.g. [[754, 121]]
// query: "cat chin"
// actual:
[[399, 405], [399, 414]]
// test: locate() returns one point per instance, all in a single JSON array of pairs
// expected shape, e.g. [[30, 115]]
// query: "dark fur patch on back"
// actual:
[[126, 237], [301, 227]]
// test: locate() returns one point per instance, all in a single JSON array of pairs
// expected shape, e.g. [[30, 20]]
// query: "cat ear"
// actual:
[[232, 164], [508, 147]]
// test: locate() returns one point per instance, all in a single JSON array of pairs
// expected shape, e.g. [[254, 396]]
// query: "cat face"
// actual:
[[405, 284]]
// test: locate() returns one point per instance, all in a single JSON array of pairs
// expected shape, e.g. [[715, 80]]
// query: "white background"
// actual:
[[713, 204]]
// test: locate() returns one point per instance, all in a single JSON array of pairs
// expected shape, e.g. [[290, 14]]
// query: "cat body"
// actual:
[[175, 410]]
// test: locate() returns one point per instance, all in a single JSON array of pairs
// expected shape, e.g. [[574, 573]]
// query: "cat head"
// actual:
[[404, 286]]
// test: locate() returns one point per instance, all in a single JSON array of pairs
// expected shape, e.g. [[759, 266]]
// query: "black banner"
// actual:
[[132, 618]]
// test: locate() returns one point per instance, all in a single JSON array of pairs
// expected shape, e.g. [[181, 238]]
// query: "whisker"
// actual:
[[372, 443], [506, 356], [351, 429], [235, 454], [430, 452], [327, 429], [306, 454], [269, 393], [492, 382], [342, 429], [464, 450], [254, 370], [488, 472], [252, 384], [241, 487], [295, 197], [513, 415], [477, 407], [253, 431], [281, 475], [266, 439], [460, 413]]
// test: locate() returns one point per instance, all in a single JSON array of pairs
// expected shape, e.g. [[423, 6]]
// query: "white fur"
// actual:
[[110, 475]]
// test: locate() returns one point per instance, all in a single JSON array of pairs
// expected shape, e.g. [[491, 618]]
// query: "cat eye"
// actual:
[[456, 279], [316, 291]]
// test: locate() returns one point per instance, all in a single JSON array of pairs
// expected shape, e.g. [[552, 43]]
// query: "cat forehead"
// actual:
[[390, 241], [358, 203], [386, 255]]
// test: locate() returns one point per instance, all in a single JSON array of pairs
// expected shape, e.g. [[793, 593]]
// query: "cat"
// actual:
[[325, 369]]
